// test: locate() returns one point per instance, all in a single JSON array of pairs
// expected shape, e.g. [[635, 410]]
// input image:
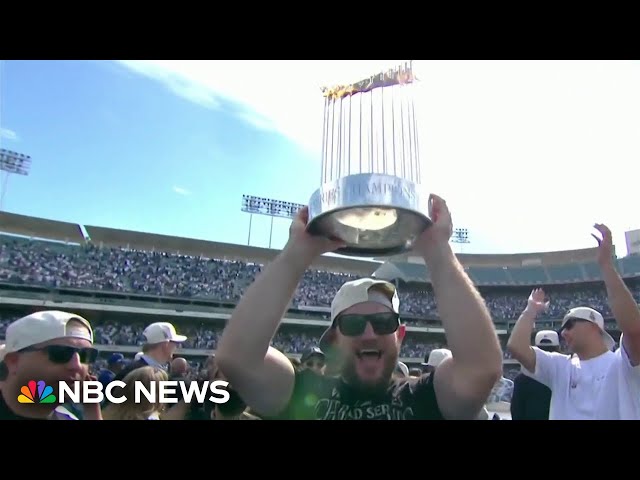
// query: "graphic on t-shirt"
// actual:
[[331, 409], [318, 397]]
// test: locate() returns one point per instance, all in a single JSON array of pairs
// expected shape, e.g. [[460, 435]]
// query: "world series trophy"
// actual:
[[370, 195]]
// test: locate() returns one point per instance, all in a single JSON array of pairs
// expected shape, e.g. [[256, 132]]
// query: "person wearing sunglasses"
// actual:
[[592, 383], [313, 359], [576, 379], [362, 343], [49, 346]]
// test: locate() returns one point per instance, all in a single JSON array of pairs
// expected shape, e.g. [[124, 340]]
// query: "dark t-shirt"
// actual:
[[7, 414], [530, 399], [318, 397]]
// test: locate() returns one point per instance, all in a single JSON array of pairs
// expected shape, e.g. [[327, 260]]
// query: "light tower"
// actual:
[[269, 207], [11, 163], [460, 235]]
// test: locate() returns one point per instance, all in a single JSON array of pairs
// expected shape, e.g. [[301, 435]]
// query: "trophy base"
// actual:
[[374, 214]]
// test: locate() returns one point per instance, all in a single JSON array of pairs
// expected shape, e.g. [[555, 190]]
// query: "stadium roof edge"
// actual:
[[35, 227], [556, 257]]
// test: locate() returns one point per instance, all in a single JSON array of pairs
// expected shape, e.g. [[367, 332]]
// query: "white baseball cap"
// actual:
[[160, 332], [547, 338], [43, 326], [402, 369], [437, 356], [593, 316], [360, 291]]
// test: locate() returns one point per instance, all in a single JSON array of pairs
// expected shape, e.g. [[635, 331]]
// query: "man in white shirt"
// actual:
[[593, 382], [620, 398], [575, 380]]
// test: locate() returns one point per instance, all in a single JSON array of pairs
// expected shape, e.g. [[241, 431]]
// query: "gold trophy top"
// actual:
[[401, 75]]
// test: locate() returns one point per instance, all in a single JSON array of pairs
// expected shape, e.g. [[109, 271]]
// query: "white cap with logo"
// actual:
[[547, 338], [360, 291], [44, 326], [160, 332], [593, 316], [437, 356]]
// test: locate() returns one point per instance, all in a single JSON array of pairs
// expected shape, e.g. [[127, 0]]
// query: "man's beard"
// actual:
[[350, 375]]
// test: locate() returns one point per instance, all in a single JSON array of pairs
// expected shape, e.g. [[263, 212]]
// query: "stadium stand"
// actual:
[[124, 280]]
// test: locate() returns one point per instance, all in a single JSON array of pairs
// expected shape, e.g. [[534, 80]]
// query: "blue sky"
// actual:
[[116, 149], [528, 154]]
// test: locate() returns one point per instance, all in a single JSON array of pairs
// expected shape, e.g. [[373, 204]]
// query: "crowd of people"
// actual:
[[164, 274], [353, 370]]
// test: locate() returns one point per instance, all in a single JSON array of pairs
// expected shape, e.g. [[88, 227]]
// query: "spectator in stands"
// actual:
[[401, 371], [575, 380], [435, 358], [620, 398], [52, 347], [161, 342], [115, 364], [531, 399], [433, 361], [179, 369], [313, 359], [127, 270], [366, 334]]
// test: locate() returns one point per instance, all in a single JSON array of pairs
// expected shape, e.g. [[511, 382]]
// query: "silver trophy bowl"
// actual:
[[374, 214]]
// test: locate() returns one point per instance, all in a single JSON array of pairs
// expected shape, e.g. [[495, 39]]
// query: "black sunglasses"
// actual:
[[314, 363], [568, 325], [354, 325], [62, 354]]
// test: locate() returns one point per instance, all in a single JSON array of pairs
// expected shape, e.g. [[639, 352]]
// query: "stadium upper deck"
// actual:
[[530, 269], [542, 268], [35, 227]]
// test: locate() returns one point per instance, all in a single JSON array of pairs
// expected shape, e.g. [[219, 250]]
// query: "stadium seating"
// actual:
[[110, 284]]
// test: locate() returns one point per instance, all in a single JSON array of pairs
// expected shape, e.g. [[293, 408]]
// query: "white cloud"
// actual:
[[190, 88], [529, 154], [181, 191], [8, 134], [282, 96]]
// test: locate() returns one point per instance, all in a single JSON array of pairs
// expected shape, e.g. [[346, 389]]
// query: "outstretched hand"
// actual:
[[307, 244], [537, 302], [439, 233], [605, 244]]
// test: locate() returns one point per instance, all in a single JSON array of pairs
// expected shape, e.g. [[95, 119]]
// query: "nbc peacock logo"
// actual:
[[38, 392]]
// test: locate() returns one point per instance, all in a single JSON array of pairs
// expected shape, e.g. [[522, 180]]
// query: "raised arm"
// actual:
[[623, 305], [262, 375], [464, 382], [519, 343]]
